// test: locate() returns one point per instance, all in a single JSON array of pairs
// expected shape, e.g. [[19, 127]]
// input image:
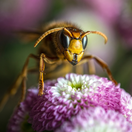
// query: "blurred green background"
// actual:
[[114, 18]]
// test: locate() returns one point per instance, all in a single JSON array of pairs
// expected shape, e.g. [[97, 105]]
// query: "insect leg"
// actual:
[[91, 67], [88, 63], [24, 75], [34, 70], [20, 79], [43, 59], [41, 70], [103, 65]]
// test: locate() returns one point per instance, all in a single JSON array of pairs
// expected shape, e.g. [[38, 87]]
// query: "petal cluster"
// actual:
[[65, 97], [97, 120]]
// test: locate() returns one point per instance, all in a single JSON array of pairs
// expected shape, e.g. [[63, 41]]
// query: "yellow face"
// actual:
[[73, 45], [75, 51]]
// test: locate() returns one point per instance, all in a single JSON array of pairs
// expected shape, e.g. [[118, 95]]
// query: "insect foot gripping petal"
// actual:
[[41, 85], [41, 78]]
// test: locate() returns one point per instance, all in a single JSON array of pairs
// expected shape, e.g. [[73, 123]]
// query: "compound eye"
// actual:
[[84, 42], [65, 40]]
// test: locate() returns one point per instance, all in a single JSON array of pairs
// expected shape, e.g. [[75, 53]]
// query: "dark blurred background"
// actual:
[[114, 18]]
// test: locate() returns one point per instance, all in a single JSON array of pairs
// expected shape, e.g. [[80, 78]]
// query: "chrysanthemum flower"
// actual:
[[97, 120], [65, 97]]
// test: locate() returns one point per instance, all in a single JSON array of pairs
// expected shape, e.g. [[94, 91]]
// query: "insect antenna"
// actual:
[[47, 33], [68, 32], [95, 32]]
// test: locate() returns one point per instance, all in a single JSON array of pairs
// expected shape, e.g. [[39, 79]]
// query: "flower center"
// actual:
[[75, 85]]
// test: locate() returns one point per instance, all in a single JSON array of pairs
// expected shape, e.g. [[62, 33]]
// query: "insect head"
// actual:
[[72, 42]]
